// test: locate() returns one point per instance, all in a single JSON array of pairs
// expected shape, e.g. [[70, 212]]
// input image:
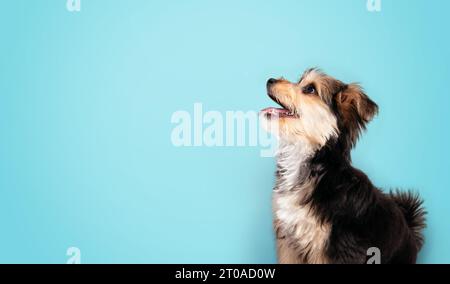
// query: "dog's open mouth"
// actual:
[[273, 112]]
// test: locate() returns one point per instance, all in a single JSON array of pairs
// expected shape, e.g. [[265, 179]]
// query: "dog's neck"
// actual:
[[293, 161], [300, 164]]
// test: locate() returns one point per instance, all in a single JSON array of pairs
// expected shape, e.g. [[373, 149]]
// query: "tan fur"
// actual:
[[316, 123], [356, 109], [301, 238], [285, 254]]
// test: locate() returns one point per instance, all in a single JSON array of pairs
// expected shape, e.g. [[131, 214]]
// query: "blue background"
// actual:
[[86, 100]]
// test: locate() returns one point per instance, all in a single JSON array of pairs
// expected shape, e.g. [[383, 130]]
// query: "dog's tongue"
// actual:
[[274, 110]]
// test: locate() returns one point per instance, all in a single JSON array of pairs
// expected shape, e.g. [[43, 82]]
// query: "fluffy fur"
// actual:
[[325, 210]]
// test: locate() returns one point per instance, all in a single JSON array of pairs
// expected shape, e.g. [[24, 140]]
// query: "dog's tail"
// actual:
[[412, 206]]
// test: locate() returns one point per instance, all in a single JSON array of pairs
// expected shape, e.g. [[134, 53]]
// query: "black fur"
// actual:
[[361, 215]]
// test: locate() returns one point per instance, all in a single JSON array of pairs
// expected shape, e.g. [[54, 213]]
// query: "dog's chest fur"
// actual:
[[301, 237]]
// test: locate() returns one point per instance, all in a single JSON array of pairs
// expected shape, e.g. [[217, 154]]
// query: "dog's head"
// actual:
[[318, 108]]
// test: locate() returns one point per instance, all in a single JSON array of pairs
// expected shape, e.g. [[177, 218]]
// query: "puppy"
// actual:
[[325, 210]]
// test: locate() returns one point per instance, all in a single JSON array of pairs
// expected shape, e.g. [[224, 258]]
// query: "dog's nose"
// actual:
[[271, 81]]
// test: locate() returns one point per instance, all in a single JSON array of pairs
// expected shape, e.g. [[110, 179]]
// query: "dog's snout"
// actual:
[[271, 81]]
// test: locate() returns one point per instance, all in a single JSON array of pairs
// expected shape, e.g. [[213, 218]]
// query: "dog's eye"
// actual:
[[310, 89]]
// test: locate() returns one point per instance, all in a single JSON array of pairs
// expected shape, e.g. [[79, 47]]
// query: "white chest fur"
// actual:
[[304, 236]]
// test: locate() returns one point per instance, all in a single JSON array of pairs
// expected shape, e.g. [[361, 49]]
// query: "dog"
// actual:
[[325, 210]]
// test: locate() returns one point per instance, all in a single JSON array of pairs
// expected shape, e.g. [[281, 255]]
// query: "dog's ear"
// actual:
[[356, 109]]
